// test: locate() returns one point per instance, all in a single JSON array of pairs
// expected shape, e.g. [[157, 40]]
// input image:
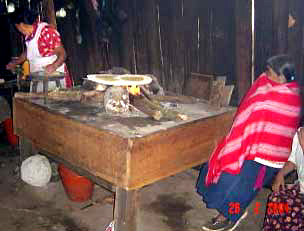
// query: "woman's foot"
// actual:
[[220, 223]]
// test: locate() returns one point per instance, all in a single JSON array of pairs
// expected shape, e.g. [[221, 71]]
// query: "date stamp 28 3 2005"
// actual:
[[273, 208]]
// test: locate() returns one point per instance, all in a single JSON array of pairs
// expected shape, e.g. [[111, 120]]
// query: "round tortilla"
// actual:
[[120, 80]]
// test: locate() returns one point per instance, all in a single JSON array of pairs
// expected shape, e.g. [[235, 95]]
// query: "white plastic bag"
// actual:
[[110, 226], [36, 170]]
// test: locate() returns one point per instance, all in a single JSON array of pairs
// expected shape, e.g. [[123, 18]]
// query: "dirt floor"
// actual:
[[168, 205]]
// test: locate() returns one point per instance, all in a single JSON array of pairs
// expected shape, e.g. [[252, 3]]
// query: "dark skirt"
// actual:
[[285, 210], [233, 193]]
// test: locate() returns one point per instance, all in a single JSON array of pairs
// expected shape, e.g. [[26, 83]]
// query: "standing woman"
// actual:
[[256, 147], [44, 49]]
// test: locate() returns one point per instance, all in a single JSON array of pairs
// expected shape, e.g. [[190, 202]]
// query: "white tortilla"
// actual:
[[120, 80]]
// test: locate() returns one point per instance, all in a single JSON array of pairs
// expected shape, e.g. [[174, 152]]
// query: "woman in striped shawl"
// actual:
[[256, 147]]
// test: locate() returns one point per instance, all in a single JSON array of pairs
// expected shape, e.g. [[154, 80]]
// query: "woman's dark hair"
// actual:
[[283, 65], [21, 15]]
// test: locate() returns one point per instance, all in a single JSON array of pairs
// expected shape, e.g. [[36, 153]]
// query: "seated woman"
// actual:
[[256, 147], [285, 207]]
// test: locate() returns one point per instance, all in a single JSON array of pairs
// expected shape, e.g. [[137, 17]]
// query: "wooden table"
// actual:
[[127, 151]]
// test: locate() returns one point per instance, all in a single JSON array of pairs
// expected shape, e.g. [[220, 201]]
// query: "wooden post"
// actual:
[[295, 35], [280, 26], [90, 36], [49, 12], [153, 38], [127, 52], [125, 210], [243, 46]]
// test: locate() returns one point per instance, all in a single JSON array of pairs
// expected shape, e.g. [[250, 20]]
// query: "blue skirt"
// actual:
[[233, 193]]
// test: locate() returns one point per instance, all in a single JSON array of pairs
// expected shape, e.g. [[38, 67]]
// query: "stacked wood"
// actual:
[[199, 85], [210, 88], [69, 95]]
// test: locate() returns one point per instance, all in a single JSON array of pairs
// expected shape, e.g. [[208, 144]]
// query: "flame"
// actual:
[[100, 87], [134, 90]]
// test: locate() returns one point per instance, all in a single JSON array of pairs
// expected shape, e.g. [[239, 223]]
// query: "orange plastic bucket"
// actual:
[[10, 136], [78, 188]]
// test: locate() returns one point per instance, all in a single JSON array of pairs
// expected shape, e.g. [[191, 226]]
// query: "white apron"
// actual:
[[38, 62]]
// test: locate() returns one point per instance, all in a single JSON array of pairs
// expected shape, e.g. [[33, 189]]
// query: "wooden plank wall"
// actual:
[[272, 35], [175, 37], [167, 38]]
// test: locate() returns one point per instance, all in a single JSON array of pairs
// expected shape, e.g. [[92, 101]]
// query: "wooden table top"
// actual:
[[129, 125]]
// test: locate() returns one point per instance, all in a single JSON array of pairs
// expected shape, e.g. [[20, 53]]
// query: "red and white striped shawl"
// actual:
[[263, 127]]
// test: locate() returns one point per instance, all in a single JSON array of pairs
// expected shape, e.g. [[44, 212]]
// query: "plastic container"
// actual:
[[9, 131], [78, 188], [25, 69]]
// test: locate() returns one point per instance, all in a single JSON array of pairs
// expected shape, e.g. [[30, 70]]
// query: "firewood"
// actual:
[[147, 107], [177, 98], [226, 95], [71, 95], [74, 97], [217, 92], [96, 96], [154, 109]]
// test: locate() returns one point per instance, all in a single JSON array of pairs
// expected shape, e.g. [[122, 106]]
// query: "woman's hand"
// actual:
[[12, 65], [60, 53], [49, 69], [278, 182], [16, 61]]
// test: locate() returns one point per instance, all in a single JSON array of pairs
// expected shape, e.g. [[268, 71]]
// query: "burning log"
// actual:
[[147, 107], [153, 108]]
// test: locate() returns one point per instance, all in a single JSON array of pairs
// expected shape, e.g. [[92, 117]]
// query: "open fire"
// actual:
[[134, 90], [121, 98]]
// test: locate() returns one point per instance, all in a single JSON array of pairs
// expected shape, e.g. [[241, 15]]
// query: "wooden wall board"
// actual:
[[243, 49], [49, 12], [153, 39], [280, 9], [128, 52], [206, 41], [263, 34], [295, 35], [140, 33], [199, 85], [191, 25]]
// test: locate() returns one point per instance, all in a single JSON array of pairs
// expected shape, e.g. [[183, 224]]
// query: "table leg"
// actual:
[[45, 83], [26, 148], [34, 86], [125, 209]]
